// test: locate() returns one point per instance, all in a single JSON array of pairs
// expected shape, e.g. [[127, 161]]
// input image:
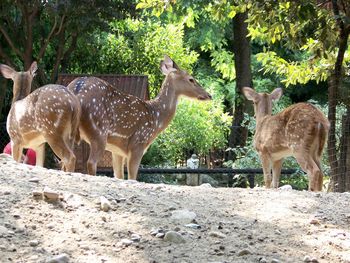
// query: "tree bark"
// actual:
[[338, 167], [242, 52]]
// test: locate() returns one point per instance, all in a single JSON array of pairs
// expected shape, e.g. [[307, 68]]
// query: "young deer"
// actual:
[[301, 131], [126, 125], [49, 114]]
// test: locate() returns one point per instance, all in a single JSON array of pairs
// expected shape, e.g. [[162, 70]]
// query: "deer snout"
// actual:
[[206, 96]]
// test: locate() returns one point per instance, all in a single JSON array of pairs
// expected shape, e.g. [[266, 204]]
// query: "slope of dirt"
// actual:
[[200, 224]]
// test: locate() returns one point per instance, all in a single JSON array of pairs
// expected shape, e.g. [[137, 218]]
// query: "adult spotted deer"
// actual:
[[49, 114], [124, 124], [300, 130]]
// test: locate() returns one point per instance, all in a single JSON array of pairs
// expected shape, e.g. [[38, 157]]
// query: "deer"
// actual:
[[49, 114], [124, 124], [301, 131]]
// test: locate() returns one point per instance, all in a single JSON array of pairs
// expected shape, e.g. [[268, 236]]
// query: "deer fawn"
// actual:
[[49, 114], [126, 125], [301, 131]]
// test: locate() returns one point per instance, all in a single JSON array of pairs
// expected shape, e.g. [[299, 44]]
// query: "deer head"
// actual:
[[22, 81], [263, 102], [182, 82]]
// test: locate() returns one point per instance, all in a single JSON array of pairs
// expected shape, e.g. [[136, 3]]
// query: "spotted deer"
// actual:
[[124, 124], [300, 130], [49, 114]]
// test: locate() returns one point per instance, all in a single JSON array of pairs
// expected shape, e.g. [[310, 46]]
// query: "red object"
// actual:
[[30, 157], [7, 149]]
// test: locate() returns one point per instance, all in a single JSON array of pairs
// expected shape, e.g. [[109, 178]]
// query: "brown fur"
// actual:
[[300, 130]]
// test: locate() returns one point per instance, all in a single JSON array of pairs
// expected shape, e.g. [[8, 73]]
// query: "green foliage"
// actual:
[[197, 127], [136, 46]]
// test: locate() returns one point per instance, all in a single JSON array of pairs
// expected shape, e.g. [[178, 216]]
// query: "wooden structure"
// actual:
[[136, 85]]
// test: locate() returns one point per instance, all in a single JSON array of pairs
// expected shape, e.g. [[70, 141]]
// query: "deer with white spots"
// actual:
[[124, 124], [49, 114], [301, 130]]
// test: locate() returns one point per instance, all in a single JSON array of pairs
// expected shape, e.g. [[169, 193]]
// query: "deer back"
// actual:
[[108, 111], [49, 110]]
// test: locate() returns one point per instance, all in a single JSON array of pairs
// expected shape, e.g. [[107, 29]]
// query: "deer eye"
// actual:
[[191, 80]]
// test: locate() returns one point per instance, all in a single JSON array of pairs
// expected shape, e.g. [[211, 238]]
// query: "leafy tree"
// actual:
[[48, 31], [231, 58], [136, 46], [321, 30]]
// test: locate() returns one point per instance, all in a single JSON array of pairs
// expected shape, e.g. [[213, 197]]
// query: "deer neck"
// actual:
[[21, 88], [164, 105], [260, 117]]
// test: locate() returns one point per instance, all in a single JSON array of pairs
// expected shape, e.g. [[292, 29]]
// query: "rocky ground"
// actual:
[[51, 216]]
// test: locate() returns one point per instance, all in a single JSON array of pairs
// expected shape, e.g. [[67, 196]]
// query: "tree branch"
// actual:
[[6, 58], [46, 41], [9, 41]]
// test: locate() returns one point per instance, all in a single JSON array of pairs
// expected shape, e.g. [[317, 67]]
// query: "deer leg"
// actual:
[[276, 172], [40, 155], [97, 148], [134, 160], [313, 170], [319, 181], [16, 150], [266, 165], [118, 165], [63, 151]]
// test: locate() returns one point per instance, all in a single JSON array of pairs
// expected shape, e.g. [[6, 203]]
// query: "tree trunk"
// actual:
[[242, 52], [338, 167]]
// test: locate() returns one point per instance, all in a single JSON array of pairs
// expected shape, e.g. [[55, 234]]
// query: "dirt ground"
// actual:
[[101, 219]]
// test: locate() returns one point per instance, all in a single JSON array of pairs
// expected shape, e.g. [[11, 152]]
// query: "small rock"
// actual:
[[160, 235], [286, 187], [105, 204], [34, 180], [262, 260], [274, 260], [33, 243], [12, 248], [183, 216], [174, 237], [307, 259], [217, 234], [135, 237], [62, 258], [314, 221], [51, 226], [37, 194], [126, 242], [50, 194], [194, 226], [244, 252], [314, 260], [3, 231]]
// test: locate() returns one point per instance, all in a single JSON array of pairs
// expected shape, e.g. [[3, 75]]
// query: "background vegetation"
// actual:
[[298, 45]]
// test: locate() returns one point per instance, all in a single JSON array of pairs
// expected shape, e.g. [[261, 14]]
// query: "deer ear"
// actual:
[[33, 68], [249, 93], [276, 94], [167, 65], [7, 71]]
